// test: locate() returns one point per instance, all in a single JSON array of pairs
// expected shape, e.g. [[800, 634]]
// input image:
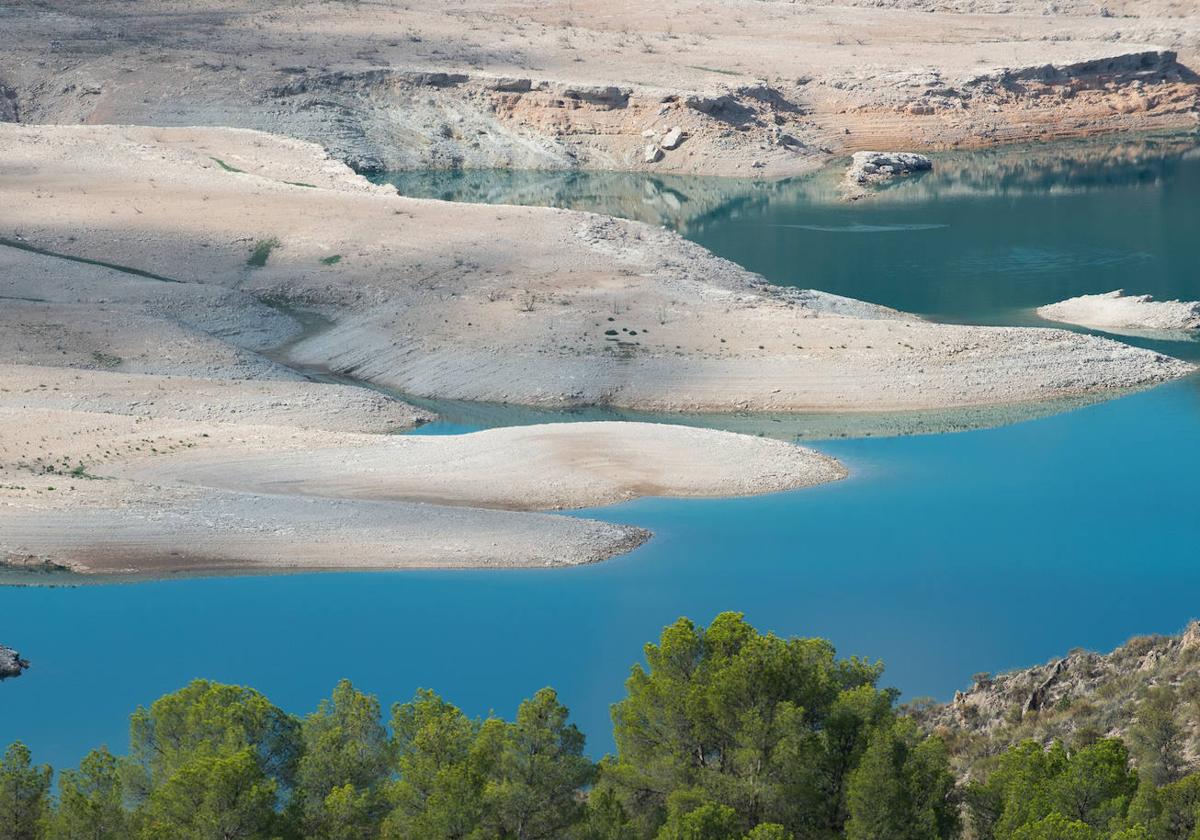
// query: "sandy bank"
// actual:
[[756, 88], [209, 531], [165, 493], [1121, 313], [555, 466], [298, 404], [506, 304]]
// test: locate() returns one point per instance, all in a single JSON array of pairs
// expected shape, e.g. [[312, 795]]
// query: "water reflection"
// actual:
[[460, 417], [985, 238]]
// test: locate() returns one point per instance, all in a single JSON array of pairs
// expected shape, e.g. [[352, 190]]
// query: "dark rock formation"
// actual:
[[11, 663]]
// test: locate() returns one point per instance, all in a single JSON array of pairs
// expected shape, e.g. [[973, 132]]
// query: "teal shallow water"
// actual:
[[984, 238], [943, 554]]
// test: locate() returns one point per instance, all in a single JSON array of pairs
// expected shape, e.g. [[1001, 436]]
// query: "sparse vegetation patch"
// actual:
[[262, 250], [227, 167]]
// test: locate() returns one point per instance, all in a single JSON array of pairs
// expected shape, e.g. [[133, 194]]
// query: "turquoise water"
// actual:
[[984, 238], [943, 554]]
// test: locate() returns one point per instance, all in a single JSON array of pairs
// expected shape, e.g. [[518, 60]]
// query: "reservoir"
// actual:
[[943, 554]]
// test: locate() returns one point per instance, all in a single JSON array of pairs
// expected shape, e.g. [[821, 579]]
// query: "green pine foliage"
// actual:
[[724, 733]]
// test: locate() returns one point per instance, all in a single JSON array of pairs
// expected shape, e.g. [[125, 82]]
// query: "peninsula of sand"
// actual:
[[168, 296], [1124, 314]]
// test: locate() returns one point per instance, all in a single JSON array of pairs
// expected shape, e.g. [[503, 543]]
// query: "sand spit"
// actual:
[[1121, 313], [750, 88], [545, 467], [503, 304], [114, 493], [208, 531]]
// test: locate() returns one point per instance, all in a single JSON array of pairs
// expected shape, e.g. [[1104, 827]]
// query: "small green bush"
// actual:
[[262, 250]]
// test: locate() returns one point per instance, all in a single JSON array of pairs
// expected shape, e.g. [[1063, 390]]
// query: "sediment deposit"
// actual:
[[1118, 312]]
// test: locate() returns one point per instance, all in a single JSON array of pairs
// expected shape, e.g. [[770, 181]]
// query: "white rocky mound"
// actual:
[[1118, 311], [868, 168]]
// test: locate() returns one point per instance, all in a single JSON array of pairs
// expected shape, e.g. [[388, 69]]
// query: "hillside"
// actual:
[[1149, 683]]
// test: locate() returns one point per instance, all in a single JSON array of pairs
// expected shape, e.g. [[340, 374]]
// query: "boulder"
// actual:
[[607, 97], [673, 138], [11, 663], [710, 104], [653, 154], [512, 85]]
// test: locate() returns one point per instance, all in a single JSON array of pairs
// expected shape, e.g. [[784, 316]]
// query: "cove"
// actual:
[[943, 554]]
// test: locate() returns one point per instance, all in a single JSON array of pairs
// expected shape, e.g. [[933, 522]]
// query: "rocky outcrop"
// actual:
[[873, 167], [1082, 693], [1118, 311], [11, 663], [869, 169], [1139, 66]]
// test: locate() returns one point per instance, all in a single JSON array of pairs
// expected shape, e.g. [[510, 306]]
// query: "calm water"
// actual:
[[984, 238], [942, 554]]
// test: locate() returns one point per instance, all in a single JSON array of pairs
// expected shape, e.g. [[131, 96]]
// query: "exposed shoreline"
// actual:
[[99, 488], [168, 427], [594, 311]]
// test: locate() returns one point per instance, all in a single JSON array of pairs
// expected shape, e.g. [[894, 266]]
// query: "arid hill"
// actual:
[[726, 87], [1078, 697]]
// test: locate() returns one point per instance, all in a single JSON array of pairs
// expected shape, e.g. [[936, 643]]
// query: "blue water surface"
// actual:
[[943, 555]]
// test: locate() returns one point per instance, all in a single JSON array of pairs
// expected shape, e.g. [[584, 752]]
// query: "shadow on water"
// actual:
[[458, 417]]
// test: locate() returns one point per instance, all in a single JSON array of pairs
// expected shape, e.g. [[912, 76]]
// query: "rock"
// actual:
[[1191, 636], [673, 138], [653, 153], [439, 80], [607, 97], [1037, 697], [875, 167], [11, 663], [512, 85], [710, 104]]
